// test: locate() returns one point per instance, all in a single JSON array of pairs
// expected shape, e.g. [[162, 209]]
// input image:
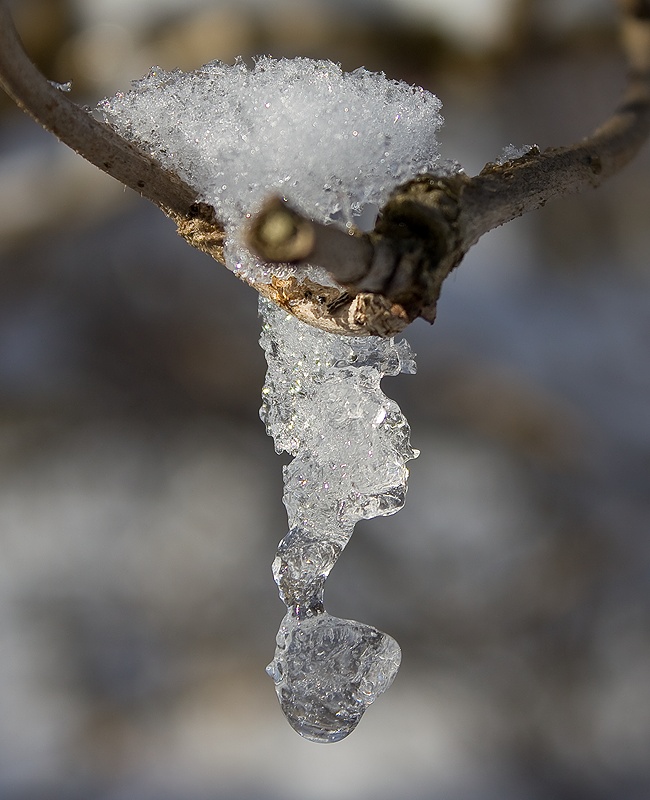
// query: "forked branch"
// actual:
[[393, 274]]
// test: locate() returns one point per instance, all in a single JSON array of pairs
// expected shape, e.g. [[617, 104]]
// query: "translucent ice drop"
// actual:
[[327, 671]]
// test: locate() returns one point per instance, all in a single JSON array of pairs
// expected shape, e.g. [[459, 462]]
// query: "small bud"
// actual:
[[279, 234]]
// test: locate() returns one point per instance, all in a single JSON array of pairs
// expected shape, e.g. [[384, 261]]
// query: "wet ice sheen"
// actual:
[[332, 142], [327, 671], [323, 404]]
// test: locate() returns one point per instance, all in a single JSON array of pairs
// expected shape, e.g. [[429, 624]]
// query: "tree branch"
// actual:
[[429, 223], [89, 137], [394, 274]]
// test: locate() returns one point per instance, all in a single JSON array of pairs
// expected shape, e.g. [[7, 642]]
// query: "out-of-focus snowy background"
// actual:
[[140, 499]]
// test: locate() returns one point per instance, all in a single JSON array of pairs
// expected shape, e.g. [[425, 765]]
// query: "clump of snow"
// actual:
[[62, 87], [330, 141]]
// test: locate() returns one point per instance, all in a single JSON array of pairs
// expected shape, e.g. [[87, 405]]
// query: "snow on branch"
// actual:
[[372, 282]]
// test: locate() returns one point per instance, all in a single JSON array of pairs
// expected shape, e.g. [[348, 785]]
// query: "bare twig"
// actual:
[[89, 137], [429, 223]]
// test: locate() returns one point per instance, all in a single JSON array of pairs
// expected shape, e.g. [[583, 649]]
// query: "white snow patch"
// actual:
[[331, 142]]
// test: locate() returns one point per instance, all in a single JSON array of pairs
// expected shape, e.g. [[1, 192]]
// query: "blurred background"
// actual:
[[140, 499]]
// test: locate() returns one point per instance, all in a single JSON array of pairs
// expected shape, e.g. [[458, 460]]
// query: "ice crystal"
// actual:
[[327, 671], [323, 404], [330, 141]]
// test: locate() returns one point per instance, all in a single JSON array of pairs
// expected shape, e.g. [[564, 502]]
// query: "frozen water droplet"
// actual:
[[327, 671]]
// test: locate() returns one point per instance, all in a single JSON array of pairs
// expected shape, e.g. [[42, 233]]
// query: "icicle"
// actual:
[[323, 404]]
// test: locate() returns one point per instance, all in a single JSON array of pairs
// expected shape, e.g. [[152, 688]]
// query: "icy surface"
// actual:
[[323, 404], [331, 142]]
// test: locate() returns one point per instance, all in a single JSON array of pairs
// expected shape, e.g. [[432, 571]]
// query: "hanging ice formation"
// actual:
[[322, 404], [332, 142]]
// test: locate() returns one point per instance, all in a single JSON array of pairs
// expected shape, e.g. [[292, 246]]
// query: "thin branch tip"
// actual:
[[280, 234], [429, 223]]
